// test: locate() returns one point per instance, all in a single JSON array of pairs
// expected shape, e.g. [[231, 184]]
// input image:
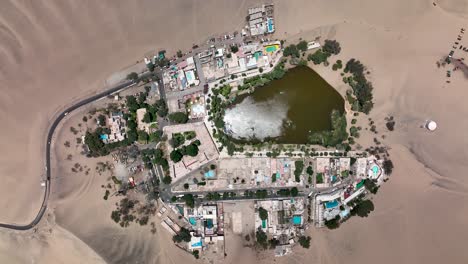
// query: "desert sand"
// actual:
[[55, 52]]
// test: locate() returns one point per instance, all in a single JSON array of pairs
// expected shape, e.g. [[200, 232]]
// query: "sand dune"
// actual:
[[55, 52]]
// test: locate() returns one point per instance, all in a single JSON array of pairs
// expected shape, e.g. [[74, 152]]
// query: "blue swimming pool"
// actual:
[[103, 137], [197, 244], [375, 169], [270, 25], [331, 204], [297, 219], [192, 220], [210, 174]]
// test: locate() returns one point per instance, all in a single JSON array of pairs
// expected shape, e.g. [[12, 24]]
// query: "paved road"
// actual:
[[50, 134]]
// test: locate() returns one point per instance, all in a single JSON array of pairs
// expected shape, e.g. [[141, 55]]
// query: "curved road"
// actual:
[[52, 128]]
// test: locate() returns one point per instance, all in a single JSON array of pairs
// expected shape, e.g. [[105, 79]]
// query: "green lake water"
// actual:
[[286, 110]]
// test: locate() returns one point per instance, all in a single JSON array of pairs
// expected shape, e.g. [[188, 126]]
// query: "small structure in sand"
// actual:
[[431, 125]]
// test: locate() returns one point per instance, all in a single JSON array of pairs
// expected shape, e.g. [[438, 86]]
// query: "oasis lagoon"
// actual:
[[285, 110]]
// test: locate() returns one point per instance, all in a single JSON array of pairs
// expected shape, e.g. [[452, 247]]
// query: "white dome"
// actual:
[[431, 125]]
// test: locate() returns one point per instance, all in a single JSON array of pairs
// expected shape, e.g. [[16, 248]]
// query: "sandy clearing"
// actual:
[[59, 51]]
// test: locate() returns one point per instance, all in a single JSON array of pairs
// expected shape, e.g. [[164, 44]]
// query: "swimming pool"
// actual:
[[264, 223], [331, 204], [271, 48], [375, 169], [297, 219], [197, 244], [190, 76], [270, 25], [103, 137], [209, 174], [192, 221]]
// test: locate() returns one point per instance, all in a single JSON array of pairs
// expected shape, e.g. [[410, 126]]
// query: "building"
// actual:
[[117, 125], [207, 223], [285, 217], [261, 20]]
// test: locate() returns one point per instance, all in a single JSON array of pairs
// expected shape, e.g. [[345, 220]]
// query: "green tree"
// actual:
[[178, 117], [156, 136], [192, 150], [291, 50], [189, 200], [167, 180], [262, 238], [309, 170], [133, 76], [302, 45], [143, 136], [179, 54], [102, 120], [333, 223], [95, 144], [304, 241], [319, 178], [176, 156], [388, 166], [177, 140], [225, 90], [183, 235], [196, 254], [263, 213], [162, 108], [147, 118], [186, 186], [318, 57], [371, 186], [294, 191], [234, 48], [363, 208], [332, 47], [299, 164]]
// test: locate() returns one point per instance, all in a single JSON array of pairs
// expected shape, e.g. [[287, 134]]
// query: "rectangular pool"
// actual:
[[297, 219], [331, 204]]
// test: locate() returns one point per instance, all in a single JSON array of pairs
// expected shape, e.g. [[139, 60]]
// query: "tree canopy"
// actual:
[[176, 156], [302, 45], [192, 150], [183, 235], [331, 46], [304, 241], [292, 51], [133, 76], [262, 238], [263, 213], [234, 48], [363, 208], [178, 117], [299, 164]]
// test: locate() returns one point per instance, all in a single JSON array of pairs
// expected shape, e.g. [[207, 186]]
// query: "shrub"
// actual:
[[318, 57], [234, 49], [263, 213], [390, 125], [179, 117], [332, 47], [299, 164], [302, 46], [304, 241]]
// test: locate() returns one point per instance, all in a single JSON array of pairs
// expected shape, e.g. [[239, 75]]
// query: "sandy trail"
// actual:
[[56, 52]]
